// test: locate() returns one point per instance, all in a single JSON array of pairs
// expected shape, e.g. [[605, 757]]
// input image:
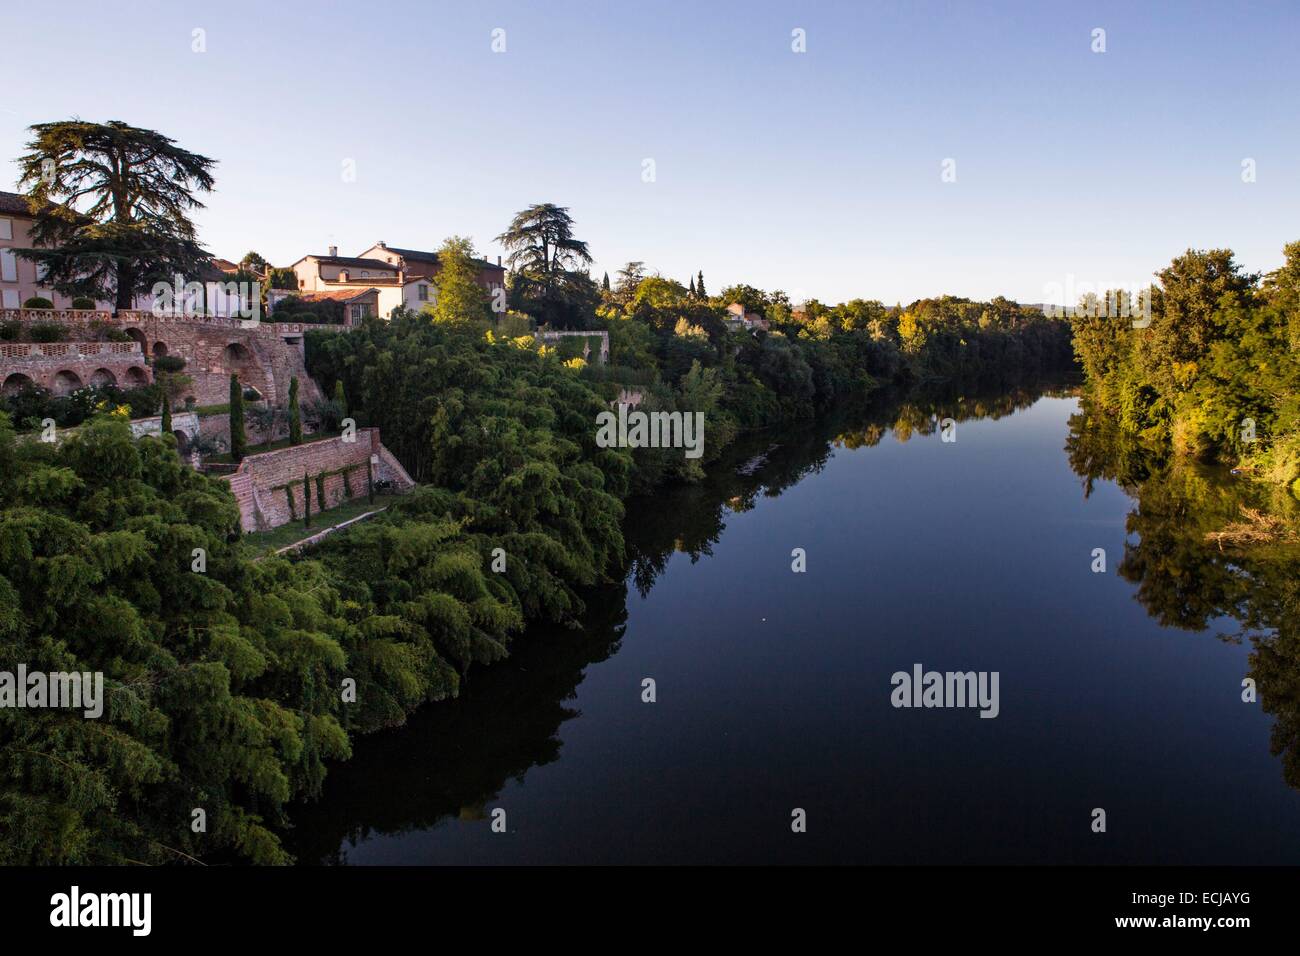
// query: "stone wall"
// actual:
[[64, 367], [553, 338], [263, 481], [265, 355]]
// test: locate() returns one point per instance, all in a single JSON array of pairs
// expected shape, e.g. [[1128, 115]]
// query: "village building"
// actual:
[[402, 278]]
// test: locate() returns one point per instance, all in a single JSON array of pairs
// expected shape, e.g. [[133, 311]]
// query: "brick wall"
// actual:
[[259, 482], [63, 367], [264, 356]]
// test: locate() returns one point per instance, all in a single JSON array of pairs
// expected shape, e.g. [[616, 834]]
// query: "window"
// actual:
[[422, 291], [9, 299], [8, 266], [6, 228], [362, 311]]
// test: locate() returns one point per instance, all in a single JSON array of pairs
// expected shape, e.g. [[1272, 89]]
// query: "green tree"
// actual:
[[111, 205], [295, 414], [460, 298], [546, 263], [238, 439], [166, 414], [340, 399], [699, 285], [306, 501]]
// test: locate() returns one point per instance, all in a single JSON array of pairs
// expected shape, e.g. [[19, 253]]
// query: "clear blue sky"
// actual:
[[818, 173]]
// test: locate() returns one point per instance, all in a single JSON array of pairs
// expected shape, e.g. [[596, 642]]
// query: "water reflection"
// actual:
[[1187, 577]]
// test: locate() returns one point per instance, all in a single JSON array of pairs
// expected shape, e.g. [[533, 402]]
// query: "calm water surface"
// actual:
[[774, 687]]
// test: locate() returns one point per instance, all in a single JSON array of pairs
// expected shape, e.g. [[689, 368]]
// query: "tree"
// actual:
[[460, 298], [254, 263], [691, 288], [111, 205], [604, 285], [238, 440], [629, 277], [306, 501], [546, 263], [340, 399], [1197, 290], [699, 285], [295, 414], [166, 414]]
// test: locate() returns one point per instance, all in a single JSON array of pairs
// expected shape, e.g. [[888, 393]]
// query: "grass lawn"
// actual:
[[225, 459], [264, 542]]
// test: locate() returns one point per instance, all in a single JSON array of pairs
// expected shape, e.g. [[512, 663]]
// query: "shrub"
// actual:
[[47, 332], [168, 363], [83, 302], [38, 302], [10, 331]]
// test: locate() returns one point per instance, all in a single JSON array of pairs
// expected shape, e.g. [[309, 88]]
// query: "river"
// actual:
[[1118, 690]]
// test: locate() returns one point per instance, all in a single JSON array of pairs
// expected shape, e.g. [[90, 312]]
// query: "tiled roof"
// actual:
[[342, 295], [362, 263], [416, 255], [13, 204]]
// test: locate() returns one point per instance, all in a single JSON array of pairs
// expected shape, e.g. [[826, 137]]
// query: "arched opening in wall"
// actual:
[[66, 382], [237, 359], [102, 376], [135, 335], [136, 377], [182, 442], [159, 348], [16, 382], [191, 401]]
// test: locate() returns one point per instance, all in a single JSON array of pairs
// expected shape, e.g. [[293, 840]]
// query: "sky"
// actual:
[[818, 172]]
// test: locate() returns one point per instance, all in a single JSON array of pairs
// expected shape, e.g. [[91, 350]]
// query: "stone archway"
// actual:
[[16, 382], [159, 348], [101, 377], [238, 360], [136, 377], [137, 335], [66, 382], [182, 442]]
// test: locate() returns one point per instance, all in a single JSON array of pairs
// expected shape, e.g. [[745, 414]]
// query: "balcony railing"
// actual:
[[69, 350]]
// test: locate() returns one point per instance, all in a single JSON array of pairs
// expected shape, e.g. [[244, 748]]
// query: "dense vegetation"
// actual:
[[1215, 373]]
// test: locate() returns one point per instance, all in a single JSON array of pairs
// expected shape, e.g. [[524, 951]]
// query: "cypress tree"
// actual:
[[166, 414], [340, 399], [605, 283], [370, 483], [295, 416], [238, 440], [320, 491], [306, 501], [692, 287], [699, 285]]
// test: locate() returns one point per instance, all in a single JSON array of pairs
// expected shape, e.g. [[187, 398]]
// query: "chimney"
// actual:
[[343, 275], [382, 244], [498, 262], [334, 251]]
